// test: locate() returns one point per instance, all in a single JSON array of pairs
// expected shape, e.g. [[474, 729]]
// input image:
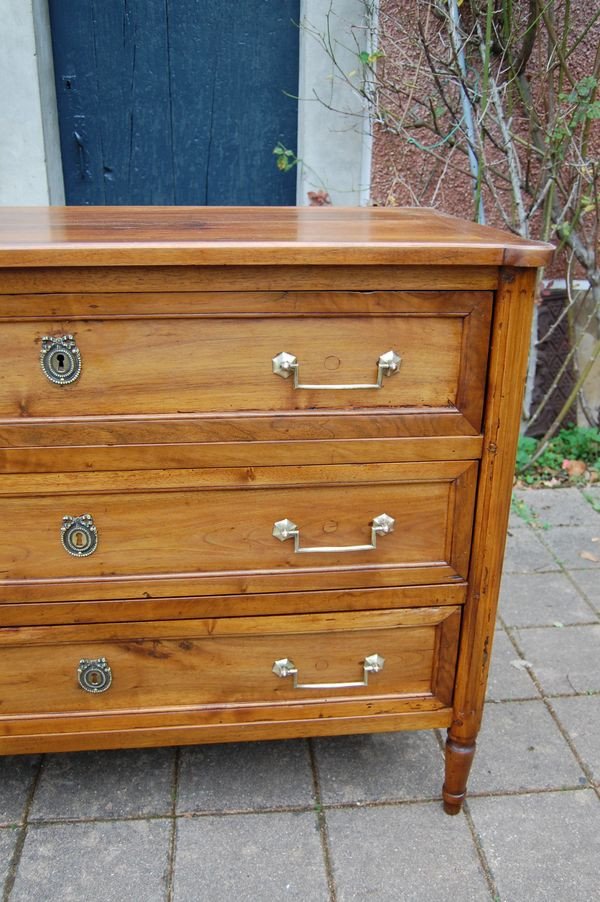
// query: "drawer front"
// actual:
[[228, 662], [254, 359], [409, 522]]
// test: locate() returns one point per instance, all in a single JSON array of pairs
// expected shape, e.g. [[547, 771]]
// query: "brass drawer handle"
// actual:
[[94, 674], [285, 365], [286, 529], [371, 664], [79, 535], [60, 359]]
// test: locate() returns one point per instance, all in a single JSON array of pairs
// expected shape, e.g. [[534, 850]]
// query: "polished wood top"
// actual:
[[208, 236]]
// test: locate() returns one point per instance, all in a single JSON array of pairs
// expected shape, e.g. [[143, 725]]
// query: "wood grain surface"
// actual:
[[155, 236], [85, 732], [70, 457], [227, 662], [45, 613], [207, 362], [506, 382], [186, 449], [82, 280], [198, 523]]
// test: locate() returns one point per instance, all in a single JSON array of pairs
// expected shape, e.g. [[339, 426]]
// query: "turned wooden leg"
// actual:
[[459, 757]]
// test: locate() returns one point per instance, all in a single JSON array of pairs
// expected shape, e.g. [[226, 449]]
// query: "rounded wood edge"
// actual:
[[529, 257], [452, 807], [459, 757]]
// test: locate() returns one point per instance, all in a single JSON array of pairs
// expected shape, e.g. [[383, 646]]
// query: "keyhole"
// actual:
[[60, 363], [79, 539], [94, 678]]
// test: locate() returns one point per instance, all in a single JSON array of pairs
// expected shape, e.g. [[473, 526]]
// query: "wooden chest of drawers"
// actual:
[[255, 472]]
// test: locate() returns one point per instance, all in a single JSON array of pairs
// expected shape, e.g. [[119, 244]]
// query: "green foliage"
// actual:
[[578, 443], [575, 443], [286, 158], [525, 451], [367, 59], [525, 513], [576, 107], [595, 502]]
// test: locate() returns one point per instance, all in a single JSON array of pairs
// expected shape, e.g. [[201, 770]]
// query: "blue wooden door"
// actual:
[[176, 101]]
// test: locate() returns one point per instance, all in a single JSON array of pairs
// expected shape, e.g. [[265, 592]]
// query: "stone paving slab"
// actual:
[[558, 507], [525, 553], [8, 841], [565, 661], [404, 853], [521, 748], [245, 776], [250, 858], [543, 847], [592, 495], [570, 546], [515, 521], [17, 773], [118, 861], [541, 599], [580, 717], [110, 784], [379, 767], [506, 681], [588, 581]]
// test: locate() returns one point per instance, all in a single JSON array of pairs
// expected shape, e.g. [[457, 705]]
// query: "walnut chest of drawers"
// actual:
[[255, 472]]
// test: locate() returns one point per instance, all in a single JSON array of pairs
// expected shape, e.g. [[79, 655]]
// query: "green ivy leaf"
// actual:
[[367, 58], [593, 111]]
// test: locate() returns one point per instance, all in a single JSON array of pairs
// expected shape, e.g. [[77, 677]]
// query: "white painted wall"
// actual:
[[29, 146], [334, 141]]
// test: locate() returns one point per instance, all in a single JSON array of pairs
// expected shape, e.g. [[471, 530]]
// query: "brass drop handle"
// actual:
[[285, 365], [286, 668], [286, 529], [60, 359], [94, 674]]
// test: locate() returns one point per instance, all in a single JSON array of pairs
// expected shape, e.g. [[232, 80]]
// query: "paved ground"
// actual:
[[356, 818]]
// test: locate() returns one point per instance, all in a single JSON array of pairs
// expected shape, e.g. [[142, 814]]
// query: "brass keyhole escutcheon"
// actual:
[[94, 674], [79, 535], [60, 359]]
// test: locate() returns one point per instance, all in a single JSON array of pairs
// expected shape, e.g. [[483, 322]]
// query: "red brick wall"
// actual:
[[405, 175]]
